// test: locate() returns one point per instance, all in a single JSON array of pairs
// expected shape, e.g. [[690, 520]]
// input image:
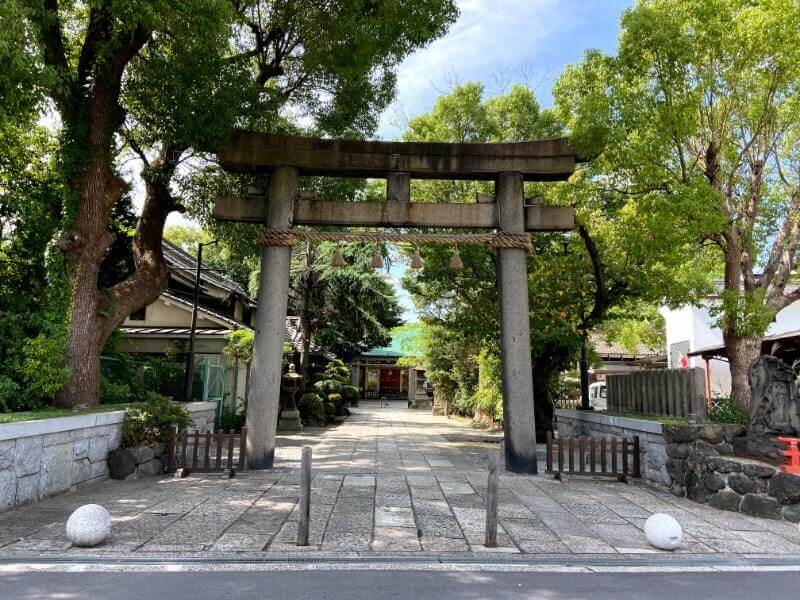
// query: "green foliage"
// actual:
[[351, 394], [312, 410], [114, 393], [233, 418], [10, 392], [725, 410], [41, 370], [152, 422], [240, 345], [695, 126]]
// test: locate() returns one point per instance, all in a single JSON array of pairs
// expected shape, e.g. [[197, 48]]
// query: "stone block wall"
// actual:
[[704, 469], [596, 424], [42, 458]]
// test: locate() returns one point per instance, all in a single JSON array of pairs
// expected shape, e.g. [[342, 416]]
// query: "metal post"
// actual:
[[584, 368], [491, 505], [265, 373], [304, 505], [512, 274], [189, 374]]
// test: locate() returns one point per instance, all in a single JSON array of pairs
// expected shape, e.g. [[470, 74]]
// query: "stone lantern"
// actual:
[[290, 417]]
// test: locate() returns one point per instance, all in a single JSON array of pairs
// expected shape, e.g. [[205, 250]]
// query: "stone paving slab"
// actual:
[[388, 481]]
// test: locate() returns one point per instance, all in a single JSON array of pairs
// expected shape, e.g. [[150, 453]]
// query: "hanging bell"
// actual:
[[338, 260], [377, 258], [456, 264], [416, 260]]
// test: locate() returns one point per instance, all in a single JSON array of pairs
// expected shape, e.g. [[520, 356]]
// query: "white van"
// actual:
[[597, 396]]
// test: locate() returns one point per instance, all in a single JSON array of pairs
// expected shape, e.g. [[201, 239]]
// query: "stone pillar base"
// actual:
[[439, 407], [290, 421]]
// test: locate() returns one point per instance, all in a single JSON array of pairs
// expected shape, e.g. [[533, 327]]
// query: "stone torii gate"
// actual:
[[285, 158]]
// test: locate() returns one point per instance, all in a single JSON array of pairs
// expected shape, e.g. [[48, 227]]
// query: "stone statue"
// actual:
[[775, 408]]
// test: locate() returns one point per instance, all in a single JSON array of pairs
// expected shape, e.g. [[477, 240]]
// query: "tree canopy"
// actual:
[[695, 123]]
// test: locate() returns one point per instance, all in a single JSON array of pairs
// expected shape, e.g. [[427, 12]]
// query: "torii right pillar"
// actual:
[[515, 344]]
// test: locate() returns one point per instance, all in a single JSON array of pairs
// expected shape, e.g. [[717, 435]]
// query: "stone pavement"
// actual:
[[387, 480]]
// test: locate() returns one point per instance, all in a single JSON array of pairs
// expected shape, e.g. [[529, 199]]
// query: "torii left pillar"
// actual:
[[263, 400]]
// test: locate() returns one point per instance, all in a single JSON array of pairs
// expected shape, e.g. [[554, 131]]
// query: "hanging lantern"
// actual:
[[377, 258], [338, 260], [416, 260], [456, 264]]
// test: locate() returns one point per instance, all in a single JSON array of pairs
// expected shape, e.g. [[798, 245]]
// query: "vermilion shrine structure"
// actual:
[[507, 218]]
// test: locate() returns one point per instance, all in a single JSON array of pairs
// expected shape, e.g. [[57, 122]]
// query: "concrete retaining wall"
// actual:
[[597, 425], [42, 458]]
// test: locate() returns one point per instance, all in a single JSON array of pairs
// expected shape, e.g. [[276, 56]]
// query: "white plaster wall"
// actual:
[[695, 324], [163, 313]]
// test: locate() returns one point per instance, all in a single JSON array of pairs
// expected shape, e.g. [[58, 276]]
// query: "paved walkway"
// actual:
[[388, 480]]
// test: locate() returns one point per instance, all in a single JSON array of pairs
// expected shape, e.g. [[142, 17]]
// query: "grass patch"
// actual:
[[660, 419], [52, 413]]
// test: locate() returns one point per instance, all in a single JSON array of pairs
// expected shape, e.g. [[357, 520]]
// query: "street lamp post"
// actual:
[[187, 386]]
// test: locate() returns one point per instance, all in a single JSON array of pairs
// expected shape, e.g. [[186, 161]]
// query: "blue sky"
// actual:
[[500, 42]]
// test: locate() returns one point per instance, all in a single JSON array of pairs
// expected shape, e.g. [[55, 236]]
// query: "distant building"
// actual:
[[163, 327], [614, 358], [693, 340], [377, 374]]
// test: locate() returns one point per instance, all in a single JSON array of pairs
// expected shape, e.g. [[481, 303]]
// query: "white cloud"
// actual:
[[528, 41]]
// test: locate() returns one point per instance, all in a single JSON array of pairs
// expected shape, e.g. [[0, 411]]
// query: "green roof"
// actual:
[[403, 338]]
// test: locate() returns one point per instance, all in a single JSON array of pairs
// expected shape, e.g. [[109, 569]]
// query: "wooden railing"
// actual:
[[612, 457], [208, 452]]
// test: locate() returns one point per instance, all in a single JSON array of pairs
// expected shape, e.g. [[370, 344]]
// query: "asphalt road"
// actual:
[[380, 585]]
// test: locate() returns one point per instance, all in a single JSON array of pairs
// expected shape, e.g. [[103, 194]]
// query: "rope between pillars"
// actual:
[[290, 237]]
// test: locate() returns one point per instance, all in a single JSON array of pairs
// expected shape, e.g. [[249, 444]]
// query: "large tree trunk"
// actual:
[[96, 313], [742, 352]]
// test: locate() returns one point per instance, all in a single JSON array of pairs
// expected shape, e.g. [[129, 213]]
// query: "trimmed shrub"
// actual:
[[312, 409], [351, 394], [152, 421]]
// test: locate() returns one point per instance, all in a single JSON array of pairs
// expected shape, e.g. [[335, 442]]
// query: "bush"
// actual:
[[350, 394], [152, 422], [312, 409], [114, 393], [42, 372], [232, 418], [725, 410], [330, 411], [10, 391]]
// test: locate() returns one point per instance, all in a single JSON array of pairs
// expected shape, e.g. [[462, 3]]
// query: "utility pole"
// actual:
[[187, 385]]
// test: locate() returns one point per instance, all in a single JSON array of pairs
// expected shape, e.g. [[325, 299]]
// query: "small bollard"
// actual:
[[304, 504], [491, 505]]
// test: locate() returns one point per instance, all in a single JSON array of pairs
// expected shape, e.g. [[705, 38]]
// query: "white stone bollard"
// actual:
[[89, 525], [663, 532]]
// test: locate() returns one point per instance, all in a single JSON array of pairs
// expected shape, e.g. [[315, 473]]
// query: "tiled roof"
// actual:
[[208, 311], [179, 260], [606, 349]]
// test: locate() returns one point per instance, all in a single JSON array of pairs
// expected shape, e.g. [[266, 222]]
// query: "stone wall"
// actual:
[[42, 458], [597, 424], [704, 469]]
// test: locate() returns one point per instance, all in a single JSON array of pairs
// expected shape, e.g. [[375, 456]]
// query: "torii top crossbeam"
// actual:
[[540, 160]]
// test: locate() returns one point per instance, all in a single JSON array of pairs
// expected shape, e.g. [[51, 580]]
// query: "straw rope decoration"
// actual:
[[290, 237]]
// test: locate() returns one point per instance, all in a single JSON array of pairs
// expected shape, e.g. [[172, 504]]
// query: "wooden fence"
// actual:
[[614, 457], [208, 452], [659, 392]]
